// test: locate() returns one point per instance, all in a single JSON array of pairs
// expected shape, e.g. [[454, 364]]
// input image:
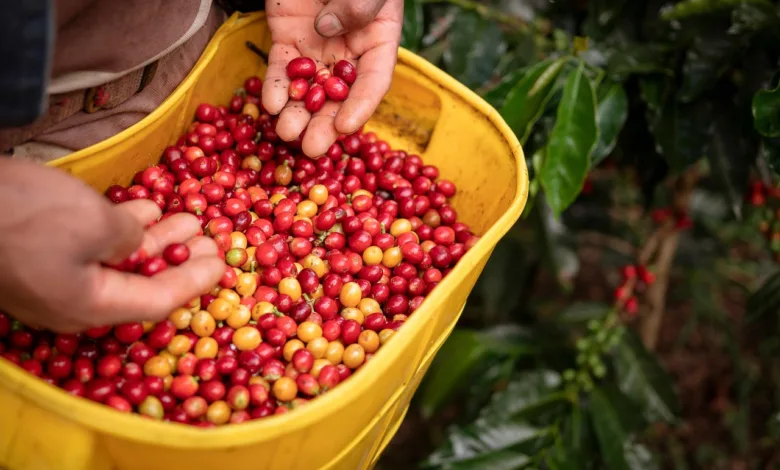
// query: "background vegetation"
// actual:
[[645, 332]]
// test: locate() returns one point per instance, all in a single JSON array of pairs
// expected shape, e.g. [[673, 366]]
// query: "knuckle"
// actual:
[[359, 12]]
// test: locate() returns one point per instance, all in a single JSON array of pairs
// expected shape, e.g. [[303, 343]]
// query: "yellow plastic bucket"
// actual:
[[426, 112]]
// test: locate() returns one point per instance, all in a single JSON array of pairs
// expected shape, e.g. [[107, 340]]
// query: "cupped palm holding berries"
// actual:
[[353, 47]]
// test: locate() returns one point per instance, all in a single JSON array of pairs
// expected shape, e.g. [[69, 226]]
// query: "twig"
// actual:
[[606, 241], [252, 47], [666, 241], [486, 12]]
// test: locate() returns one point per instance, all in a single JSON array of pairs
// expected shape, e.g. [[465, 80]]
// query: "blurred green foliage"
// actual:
[[639, 92]]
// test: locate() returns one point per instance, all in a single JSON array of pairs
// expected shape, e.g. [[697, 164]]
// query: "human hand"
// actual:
[[366, 32], [55, 235]]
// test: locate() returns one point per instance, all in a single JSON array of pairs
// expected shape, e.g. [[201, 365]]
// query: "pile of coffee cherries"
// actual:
[[314, 86], [324, 260]]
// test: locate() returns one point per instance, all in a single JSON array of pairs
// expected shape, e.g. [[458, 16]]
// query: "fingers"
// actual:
[[292, 121], [143, 210], [342, 16], [175, 229], [127, 221], [321, 132], [122, 297], [374, 76], [201, 247], [276, 83]]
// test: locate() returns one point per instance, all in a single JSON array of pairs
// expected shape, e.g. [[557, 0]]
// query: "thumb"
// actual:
[[343, 16]]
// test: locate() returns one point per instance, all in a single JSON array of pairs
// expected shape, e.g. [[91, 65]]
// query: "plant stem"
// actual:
[[666, 242], [485, 12]]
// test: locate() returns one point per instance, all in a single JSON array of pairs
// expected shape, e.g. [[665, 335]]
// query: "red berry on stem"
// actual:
[[632, 306], [629, 271]]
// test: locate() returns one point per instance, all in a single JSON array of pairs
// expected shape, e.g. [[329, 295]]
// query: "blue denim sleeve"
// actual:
[[26, 47]]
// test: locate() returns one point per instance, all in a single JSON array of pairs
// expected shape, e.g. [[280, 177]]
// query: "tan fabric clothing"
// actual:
[[105, 39], [101, 40]]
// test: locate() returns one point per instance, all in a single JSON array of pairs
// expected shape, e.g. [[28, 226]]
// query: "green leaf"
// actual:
[[479, 391], [499, 286], [611, 115], [582, 312], [641, 378], [483, 443], [452, 369], [683, 132], [509, 340], [497, 94], [690, 8], [499, 460], [747, 18], [412, 30], [654, 90], [766, 112], [611, 436], [729, 159], [770, 149], [575, 430], [705, 62], [475, 48], [501, 431], [571, 143], [525, 394], [602, 16], [639, 457], [637, 59], [628, 411], [570, 453], [525, 101], [556, 243], [764, 300]]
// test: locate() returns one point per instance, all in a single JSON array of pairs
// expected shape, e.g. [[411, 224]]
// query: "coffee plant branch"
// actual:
[[663, 244], [602, 240]]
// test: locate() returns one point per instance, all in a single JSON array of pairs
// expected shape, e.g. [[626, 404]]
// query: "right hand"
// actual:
[[55, 235], [365, 32]]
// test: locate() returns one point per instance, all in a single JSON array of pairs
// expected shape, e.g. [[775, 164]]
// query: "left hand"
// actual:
[[366, 32]]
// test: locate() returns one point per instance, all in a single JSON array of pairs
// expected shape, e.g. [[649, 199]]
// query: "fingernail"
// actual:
[[329, 26]]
